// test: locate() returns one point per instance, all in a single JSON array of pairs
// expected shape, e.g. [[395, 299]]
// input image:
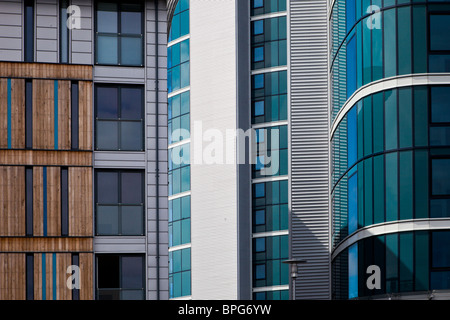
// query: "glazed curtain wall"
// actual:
[[408, 261], [372, 40], [390, 157]]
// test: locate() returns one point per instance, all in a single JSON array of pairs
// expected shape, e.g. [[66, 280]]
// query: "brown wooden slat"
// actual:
[[80, 202], [44, 157], [64, 115], [45, 244], [85, 115], [3, 113], [87, 276], [54, 201], [38, 204], [45, 70], [18, 113]]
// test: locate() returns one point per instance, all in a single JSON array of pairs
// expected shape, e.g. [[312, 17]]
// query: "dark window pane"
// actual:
[[107, 135], [108, 271], [131, 51], [132, 220], [440, 32], [440, 104], [441, 176], [440, 252], [107, 49], [132, 272], [107, 187], [107, 17], [107, 220], [131, 103], [107, 103], [258, 27], [131, 187], [131, 22], [131, 136]]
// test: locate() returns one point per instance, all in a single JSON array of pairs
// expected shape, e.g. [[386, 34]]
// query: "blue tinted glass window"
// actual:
[[439, 32], [351, 13], [441, 176], [258, 3], [259, 190], [353, 204], [351, 66], [260, 244], [352, 137], [258, 54], [258, 81], [440, 104], [258, 27], [259, 108], [260, 271], [260, 217], [440, 245], [353, 271]]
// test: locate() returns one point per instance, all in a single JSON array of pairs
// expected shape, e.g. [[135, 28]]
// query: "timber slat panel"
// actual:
[[12, 276], [43, 114], [54, 201], [3, 113], [37, 276], [38, 201], [87, 278], [85, 115], [64, 115], [80, 202], [46, 244], [12, 201], [18, 113], [45, 70], [63, 261], [44, 157]]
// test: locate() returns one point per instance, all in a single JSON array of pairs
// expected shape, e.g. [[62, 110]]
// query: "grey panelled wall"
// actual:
[[81, 40], [11, 30], [309, 147], [46, 31]]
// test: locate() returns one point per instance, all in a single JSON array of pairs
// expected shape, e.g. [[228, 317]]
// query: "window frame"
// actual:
[[119, 34]]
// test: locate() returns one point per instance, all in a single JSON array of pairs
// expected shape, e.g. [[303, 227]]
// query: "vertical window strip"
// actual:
[[29, 276], [74, 115], [29, 201], [75, 290], [54, 276], [9, 112], [28, 114], [63, 32], [44, 276], [29, 31], [64, 202]]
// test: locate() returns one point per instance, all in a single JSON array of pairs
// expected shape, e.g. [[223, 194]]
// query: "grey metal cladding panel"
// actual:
[[82, 43], [309, 145], [46, 31], [10, 30]]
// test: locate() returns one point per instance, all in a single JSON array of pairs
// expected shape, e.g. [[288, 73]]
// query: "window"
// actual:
[[29, 31], [178, 114], [30, 276], [180, 273], [258, 3], [119, 117], [270, 206], [120, 277], [269, 97], [259, 7], [269, 43], [440, 260], [178, 66], [119, 202], [63, 32], [180, 21], [119, 33], [179, 169], [439, 59], [179, 221], [440, 177]]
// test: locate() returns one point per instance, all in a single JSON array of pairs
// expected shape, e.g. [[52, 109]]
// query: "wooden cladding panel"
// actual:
[[45, 70], [87, 276], [80, 202], [46, 244], [38, 201], [15, 97], [64, 260], [12, 276], [12, 201], [17, 113], [43, 114], [44, 157], [85, 115], [64, 115], [53, 201]]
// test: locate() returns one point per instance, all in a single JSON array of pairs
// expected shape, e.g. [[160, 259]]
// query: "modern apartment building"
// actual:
[[389, 131], [248, 149], [83, 150]]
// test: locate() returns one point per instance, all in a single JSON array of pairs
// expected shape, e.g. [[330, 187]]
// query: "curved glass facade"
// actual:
[[390, 151], [269, 97], [178, 79], [372, 40]]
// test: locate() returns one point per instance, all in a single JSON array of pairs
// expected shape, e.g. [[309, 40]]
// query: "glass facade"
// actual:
[[269, 103], [178, 78], [382, 39], [390, 151]]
